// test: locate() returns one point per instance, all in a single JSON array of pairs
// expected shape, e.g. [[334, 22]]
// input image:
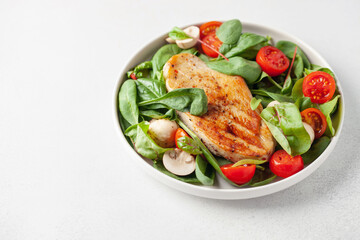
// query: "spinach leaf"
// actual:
[[249, 70], [298, 66], [178, 34], [285, 123], [248, 46], [204, 171], [288, 85], [254, 103], [297, 89], [275, 96], [188, 179], [224, 48], [314, 68], [188, 145], [157, 114], [304, 103], [127, 102], [316, 149], [143, 143], [327, 108], [161, 57], [288, 49], [149, 89], [191, 100], [229, 32], [192, 51], [262, 177], [141, 70]]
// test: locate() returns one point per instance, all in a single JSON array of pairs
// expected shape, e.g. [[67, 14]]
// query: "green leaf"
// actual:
[[249, 161], [297, 89], [298, 66], [157, 114], [314, 68], [191, 100], [275, 96], [188, 179], [248, 46], [316, 149], [141, 70], [262, 177], [288, 85], [162, 56], [249, 70], [127, 102], [178, 34], [304, 103], [327, 109], [149, 89], [285, 123], [254, 103], [143, 143], [204, 171], [229, 32], [288, 49], [188, 145]]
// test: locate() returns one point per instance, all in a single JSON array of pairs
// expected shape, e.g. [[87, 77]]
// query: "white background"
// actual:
[[63, 172]]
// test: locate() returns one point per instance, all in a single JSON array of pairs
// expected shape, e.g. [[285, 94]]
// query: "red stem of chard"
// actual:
[[209, 46], [292, 62]]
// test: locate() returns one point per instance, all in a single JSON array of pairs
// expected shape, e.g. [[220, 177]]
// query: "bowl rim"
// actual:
[[236, 193]]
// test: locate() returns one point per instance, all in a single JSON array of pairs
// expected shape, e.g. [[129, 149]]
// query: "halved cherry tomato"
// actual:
[[316, 119], [239, 174], [209, 27], [272, 60], [319, 86], [180, 133], [212, 40], [284, 165]]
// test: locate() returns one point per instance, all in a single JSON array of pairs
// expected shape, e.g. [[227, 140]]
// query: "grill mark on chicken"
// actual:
[[230, 128]]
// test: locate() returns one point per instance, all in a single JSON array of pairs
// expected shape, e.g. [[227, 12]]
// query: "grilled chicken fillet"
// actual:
[[229, 128]]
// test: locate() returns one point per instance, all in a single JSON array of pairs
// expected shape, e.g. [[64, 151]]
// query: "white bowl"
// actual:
[[221, 189]]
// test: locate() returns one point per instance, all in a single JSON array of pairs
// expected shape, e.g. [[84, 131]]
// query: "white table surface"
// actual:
[[64, 174]]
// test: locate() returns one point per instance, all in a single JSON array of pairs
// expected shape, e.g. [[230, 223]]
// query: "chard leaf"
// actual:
[[285, 123], [188, 145]]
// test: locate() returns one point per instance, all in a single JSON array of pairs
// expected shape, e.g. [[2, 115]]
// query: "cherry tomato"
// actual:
[[316, 119], [239, 174], [212, 40], [133, 76], [284, 165], [180, 133], [209, 27], [319, 86], [272, 60]]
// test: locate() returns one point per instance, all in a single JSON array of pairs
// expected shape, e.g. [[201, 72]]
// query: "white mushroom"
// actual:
[[170, 40], [194, 33], [163, 132], [273, 103], [310, 131], [179, 162]]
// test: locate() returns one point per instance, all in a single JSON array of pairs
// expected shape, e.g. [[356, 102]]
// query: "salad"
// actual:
[[297, 101]]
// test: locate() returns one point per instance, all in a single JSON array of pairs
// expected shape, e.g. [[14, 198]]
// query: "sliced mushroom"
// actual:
[[179, 162], [194, 33], [273, 103], [310, 131], [163, 132], [170, 40]]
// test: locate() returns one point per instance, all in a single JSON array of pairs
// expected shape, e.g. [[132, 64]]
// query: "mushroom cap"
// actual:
[[273, 103], [179, 162], [163, 132], [310, 131]]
